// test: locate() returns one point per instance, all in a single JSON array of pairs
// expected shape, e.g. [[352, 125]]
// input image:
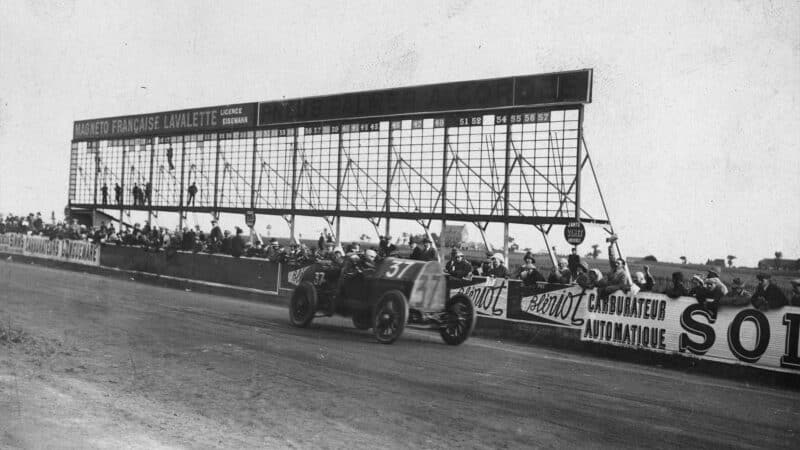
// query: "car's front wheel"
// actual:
[[303, 305], [389, 319], [460, 318]]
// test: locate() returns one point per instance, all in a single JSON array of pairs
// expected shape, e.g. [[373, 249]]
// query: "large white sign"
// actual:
[[655, 322]]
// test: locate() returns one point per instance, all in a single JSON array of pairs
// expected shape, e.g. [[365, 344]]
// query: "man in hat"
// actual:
[[458, 267], [237, 243], [274, 252], [416, 251], [737, 295], [678, 289], [104, 192], [428, 252], [767, 295], [574, 261], [215, 238]]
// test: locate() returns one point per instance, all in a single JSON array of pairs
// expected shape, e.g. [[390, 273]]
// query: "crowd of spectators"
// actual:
[[709, 290]]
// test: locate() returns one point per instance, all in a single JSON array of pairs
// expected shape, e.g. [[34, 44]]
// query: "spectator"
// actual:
[[737, 295], [767, 295], [237, 244], [678, 289], [192, 192], [169, 158], [148, 193], [716, 288], [644, 280], [321, 240], [416, 251], [118, 194], [135, 194], [795, 300], [104, 193], [428, 252], [589, 279], [497, 268], [573, 262], [458, 267], [528, 272], [561, 273]]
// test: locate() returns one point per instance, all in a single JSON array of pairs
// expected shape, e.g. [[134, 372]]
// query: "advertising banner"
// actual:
[[185, 121], [489, 295], [736, 335]]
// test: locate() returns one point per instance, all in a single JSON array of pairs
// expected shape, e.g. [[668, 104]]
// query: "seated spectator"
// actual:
[[586, 278], [767, 295], [497, 268], [737, 295], [458, 267], [416, 251], [678, 289], [237, 244], [528, 272], [595, 279], [644, 280], [561, 273]]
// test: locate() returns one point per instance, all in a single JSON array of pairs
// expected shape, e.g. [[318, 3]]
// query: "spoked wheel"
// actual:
[[362, 320], [459, 320], [391, 314], [303, 305]]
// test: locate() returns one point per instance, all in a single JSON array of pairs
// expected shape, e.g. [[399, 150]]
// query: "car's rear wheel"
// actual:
[[391, 314], [362, 320], [303, 305], [460, 320]]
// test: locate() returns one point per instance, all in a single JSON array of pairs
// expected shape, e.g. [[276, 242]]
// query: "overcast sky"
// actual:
[[693, 126]]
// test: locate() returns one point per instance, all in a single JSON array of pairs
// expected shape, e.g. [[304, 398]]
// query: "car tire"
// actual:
[[303, 305], [460, 320], [390, 316], [362, 320]]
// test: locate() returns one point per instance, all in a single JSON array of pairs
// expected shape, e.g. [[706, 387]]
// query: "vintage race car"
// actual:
[[397, 293]]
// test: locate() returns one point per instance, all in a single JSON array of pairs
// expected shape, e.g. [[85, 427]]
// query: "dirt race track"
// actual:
[[87, 362]]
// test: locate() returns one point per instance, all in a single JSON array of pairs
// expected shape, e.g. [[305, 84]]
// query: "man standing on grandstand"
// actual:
[[169, 158], [192, 192], [118, 194], [136, 191], [104, 193], [148, 192]]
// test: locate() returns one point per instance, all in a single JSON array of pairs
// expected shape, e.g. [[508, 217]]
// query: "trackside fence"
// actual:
[[79, 252]]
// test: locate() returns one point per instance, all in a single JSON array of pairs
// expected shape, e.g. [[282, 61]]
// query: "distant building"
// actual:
[[454, 236], [782, 264]]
